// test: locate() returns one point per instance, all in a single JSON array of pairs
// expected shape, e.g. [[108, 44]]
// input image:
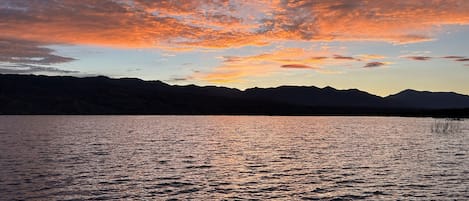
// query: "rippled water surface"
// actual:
[[230, 158]]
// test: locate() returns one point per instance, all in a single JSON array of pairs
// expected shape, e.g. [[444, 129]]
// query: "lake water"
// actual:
[[230, 157]]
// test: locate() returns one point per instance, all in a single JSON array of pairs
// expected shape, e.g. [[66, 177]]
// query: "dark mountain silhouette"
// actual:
[[313, 96], [32, 94], [429, 100]]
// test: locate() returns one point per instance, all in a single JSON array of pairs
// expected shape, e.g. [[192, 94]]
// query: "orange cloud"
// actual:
[[184, 25], [237, 72], [285, 55], [115, 23], [371, 56], [384, 20], [237, 69]]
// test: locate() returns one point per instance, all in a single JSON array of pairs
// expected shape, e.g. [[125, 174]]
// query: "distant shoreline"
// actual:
[[254, 115]]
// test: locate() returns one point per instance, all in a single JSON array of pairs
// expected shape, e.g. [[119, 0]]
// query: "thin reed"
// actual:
[[446, 126]]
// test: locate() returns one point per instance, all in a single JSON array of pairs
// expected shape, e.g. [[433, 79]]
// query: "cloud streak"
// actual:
[[28, 69], [457, 58], [374, 64], [340, 57], [179, 79], [419, 58], [453, 57], [297, 66]]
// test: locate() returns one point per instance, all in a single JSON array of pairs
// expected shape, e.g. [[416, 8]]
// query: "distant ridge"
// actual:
[[37, 94], [430, 100], [313, 96]]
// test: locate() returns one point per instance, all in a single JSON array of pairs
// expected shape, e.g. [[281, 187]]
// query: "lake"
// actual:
[[230, 157]]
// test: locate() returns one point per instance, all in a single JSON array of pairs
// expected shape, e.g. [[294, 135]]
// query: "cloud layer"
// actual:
[[21, 56], [28, 52], [184, 24], [28, 27]]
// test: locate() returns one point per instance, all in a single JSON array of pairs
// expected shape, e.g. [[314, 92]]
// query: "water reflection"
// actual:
[[229, 157]]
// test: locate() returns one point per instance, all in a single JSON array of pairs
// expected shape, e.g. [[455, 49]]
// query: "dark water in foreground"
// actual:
[[230, 157]]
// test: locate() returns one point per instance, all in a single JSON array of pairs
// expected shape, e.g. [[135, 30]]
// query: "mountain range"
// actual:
[[38, 94]]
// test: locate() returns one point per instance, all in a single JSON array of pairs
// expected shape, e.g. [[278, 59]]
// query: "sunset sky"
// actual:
[[379, 46]]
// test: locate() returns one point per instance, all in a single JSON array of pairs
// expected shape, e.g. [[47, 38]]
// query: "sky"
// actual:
[[379, 46]]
